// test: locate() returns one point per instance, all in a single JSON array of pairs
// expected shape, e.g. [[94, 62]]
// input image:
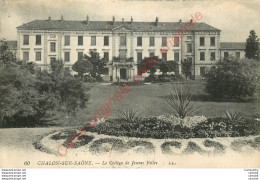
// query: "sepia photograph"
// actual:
[[129, 84]]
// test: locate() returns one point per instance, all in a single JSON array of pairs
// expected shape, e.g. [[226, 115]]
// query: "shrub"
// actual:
[[151, 79], [188, 121], [233, 116], [128, 114], [181, 102], [89, 79], [233, 79], [222, 127], [31, 99]]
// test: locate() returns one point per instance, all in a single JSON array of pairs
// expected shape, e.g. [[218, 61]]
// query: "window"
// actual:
[[38, 56], [25, 39], [202, 41], [151, 41], [212, 56], [67, 56], [202, 70], [202, 56], [225, 55], [53, 58], [139, 41], [212, 41], [176, 56], [67, 41], [189, 48], [80, 55], [53, 47], [237, 55], [189, 37], [106, 56], [93, 40], [26, 56], [38, 40], [176, 41], [122, 40], [139, 57], [151, 54], [80, 40], [106, 41], [164, 55], [164, 41], [122, 55]]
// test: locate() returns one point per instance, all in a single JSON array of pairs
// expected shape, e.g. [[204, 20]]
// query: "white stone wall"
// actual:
[[114, 45]]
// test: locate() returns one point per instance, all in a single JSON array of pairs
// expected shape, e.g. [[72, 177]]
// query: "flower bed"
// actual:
[[171, 127]]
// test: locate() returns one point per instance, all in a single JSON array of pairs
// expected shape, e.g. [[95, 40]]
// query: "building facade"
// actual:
[[232, 49], [121, 43]]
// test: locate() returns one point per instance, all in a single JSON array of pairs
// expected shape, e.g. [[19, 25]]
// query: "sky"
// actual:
[[234, 18]]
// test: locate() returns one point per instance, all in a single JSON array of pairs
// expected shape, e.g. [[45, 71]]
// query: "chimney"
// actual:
[[61, 18], [180, 21], [87, 20], [131, 20], [156, 21], [113, 20], [49, 18]]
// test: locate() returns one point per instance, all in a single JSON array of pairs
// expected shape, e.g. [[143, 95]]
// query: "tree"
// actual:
[[233, 79], [252, 46], [69, 91], [147, 65], [29, 99], [18, 95], [82, 66], [164, 68], [173, 66], [169, 66], [6, 56], [186, 66], [97, 64]]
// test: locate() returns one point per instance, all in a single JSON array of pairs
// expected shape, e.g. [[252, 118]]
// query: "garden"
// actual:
[[183, 119], [224, 104]]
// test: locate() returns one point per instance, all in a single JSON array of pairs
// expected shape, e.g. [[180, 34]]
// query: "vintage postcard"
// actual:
[[129, 84]]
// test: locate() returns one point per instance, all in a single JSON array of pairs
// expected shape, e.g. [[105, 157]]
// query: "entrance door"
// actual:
[[122, 73]]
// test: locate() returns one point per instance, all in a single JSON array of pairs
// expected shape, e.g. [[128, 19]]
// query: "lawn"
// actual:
[[148, 101]]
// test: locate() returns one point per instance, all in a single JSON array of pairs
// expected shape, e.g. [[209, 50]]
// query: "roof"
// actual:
[[108, 25], [232, 45], [10, 44]]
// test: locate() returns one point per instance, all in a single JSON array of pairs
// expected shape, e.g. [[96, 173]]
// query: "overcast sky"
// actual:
[[234, 18]]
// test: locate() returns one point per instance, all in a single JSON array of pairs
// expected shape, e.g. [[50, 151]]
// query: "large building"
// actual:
[[118, 42]]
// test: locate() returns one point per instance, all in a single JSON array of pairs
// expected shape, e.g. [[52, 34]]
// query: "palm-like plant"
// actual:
[[180, 102], [129, 114], [233, 116]]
